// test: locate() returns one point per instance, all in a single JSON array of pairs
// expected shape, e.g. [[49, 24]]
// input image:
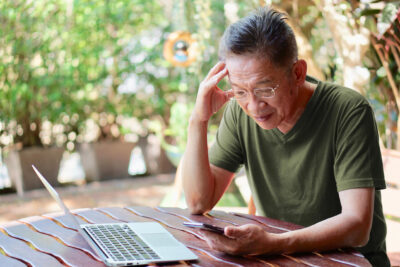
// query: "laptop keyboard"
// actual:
[[121, 243]]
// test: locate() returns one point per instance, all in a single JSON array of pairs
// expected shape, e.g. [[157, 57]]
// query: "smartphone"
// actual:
[[205, 226]]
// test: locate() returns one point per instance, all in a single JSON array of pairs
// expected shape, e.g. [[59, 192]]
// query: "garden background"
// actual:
[[87, 80]]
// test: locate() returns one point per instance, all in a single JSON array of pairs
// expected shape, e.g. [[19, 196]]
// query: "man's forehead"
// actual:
[[247, 72], [248, 64]]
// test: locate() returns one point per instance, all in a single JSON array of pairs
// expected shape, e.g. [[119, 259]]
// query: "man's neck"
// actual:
[[305, 94]]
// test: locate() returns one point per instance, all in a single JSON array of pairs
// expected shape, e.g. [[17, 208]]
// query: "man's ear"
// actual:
[[300, 71]]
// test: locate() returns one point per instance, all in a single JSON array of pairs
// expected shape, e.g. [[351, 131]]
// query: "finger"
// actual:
[[220, 75], [215, 240], [217, 67], [214, 80], [224, 244], [211, 84]]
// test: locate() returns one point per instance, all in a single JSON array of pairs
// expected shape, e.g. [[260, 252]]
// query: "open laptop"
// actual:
[[127, 244]]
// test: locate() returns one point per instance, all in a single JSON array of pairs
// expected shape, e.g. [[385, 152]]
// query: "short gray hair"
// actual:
[[263, 33]]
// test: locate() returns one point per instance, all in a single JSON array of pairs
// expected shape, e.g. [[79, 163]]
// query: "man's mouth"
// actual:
[[262, 118]]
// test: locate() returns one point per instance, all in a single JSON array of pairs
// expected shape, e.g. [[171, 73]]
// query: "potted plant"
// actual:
[[45, 91], [32, 94], [124, 49]]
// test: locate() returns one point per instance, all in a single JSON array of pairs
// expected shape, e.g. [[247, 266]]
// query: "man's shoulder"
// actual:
[[341, 95]]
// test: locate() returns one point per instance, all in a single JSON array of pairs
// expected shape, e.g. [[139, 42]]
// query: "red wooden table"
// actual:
[[51, 240]]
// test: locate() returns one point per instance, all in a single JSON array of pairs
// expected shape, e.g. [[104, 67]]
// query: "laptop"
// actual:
[[127, 244]]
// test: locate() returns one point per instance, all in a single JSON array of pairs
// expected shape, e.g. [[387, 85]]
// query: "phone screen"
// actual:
[[205, 226]]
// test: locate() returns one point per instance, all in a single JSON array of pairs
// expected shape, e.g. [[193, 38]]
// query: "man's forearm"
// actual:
[[198, 182], [350, 228], [333, 233]]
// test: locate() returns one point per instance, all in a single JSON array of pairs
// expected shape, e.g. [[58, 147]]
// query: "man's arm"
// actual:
[[350, 228], [204, 184]]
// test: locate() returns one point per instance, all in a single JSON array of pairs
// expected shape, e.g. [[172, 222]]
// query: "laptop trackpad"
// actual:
[[159, 239]]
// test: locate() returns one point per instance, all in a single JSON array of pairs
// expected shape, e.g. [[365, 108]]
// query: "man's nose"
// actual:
[[254, 103]]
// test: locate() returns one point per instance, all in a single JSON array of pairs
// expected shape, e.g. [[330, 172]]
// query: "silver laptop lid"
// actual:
[[57, 198]]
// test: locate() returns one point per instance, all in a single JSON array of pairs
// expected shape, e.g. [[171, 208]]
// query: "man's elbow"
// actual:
[[361, 235], [197, 209], [362, 239], [196, 206]]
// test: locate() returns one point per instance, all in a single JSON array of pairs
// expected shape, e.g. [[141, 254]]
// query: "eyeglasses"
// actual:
[[262, 93]]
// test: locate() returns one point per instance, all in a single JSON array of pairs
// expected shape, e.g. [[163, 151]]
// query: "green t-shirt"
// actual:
[[296, 176]]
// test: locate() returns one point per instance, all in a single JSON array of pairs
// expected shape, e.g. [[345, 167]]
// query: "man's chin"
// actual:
[[266, 125]]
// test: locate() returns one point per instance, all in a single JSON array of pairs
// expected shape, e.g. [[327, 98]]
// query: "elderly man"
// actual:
[[310, 149]]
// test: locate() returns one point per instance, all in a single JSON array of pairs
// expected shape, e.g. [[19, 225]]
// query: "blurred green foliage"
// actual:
[[56, 56], [66, 62]]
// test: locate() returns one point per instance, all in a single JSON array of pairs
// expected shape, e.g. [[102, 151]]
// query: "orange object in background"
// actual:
[[179, 49]]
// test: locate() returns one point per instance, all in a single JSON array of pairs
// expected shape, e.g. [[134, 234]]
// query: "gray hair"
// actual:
[[263, 33]]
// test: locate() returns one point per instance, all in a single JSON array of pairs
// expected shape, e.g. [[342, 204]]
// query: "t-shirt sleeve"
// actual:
[[358, 160], [226, 151]]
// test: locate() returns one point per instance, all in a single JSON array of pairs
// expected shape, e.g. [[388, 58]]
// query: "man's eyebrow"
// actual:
[[264, 81]]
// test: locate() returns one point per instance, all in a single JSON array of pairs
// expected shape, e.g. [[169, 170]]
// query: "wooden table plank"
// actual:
[[352, 259], [64, 254], [21, 250], [69, 237], [63, 219], [93, 216], [122, 214], [11, 262]]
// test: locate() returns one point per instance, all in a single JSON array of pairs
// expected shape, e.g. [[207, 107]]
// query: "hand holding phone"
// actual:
[[205, 226]]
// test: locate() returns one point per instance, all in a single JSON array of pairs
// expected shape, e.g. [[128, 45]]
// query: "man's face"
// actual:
[[249, 73]]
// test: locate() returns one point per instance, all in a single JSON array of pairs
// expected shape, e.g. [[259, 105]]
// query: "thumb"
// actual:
[[234, 232]]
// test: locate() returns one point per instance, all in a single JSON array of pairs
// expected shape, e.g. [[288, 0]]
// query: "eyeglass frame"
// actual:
[[255, 93]]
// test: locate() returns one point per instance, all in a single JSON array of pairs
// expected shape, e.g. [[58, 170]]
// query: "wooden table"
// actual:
[[51, 240]]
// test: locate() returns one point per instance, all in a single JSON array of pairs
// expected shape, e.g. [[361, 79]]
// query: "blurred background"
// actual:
[[97, 93]]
